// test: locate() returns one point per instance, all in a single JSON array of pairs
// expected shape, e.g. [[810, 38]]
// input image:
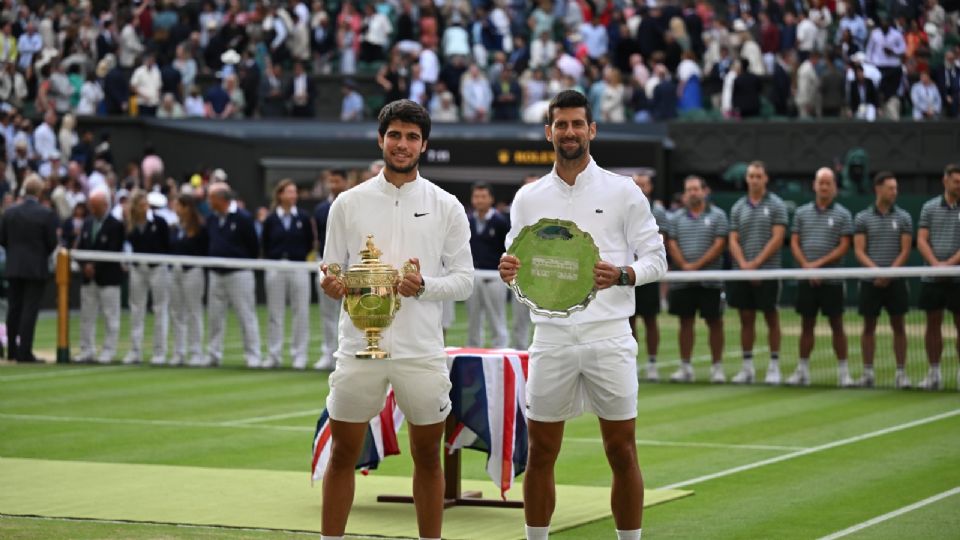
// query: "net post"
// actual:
[[63, 306]]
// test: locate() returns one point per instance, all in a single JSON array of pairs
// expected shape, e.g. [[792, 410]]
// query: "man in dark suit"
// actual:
[[747, 88], [947, 78], [862, 95], [336, 183], [300, 93], [100, 291], [488, 237], [28, 231]]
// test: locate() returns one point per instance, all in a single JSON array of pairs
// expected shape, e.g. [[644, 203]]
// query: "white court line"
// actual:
[[890, 515], [256, 419], [160, 523], [649, 442], [813, 450], [92, 370], [146, 422]]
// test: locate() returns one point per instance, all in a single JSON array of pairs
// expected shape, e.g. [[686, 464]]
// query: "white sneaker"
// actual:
[[269, 364], [684, 373], [254, 363], [300, 365], [652, 374], [105, 360], [800, 377], [199, 361], [902, 381], [866, 381], [744, 376], [716, 374], [176, 361], [158, 361], [327, 363], [930, 382], [773, 375], [83, 359], [844, 380], [131, 358]]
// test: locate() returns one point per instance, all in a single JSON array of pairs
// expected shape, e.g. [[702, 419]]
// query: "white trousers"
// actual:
[[330, 314], [238, 289], [283, 286], [156, 282], [488, 302], [186, 313], [95, 301], [520, 334]]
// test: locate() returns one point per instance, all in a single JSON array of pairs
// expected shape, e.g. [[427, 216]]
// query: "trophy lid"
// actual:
[[370, 259]]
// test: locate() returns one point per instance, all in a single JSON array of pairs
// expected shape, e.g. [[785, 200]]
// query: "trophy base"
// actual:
[[374, 354]]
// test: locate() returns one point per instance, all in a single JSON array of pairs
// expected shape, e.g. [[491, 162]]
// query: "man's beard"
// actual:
[[573, 154], [402, 170]]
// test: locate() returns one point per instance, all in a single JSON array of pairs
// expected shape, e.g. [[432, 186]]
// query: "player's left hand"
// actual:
[[605, 275], [412, 281]]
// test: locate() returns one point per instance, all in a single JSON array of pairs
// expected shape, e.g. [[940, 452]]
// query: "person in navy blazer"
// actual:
[[28, 231], [100, 291], [288, 234], [232, 235], [488, 235], [336, 183]]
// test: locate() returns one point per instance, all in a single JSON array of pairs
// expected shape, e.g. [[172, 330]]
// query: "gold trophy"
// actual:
[[371, 299]]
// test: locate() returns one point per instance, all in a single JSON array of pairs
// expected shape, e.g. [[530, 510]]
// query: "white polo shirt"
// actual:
[[418, 220], [616, 214]]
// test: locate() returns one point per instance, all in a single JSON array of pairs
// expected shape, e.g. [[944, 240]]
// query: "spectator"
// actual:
[[8, 43], [852, 24], [351, 109], [28, 233], [394, 78], [948, 82], [542, 51], [170, 108], [613, 97], [378, 30], [145, 84], [187, 66], [925, 98], [91, 95], [862, 95], [217, 102], [13, 86], [456, 41], [688, 89], [28, 45], [116, 88], [747, 90], [100, 291], [476, 94], [67, 136], [884, 50], [129, 47], [194, 105], [419, 91], [663, 102], [595, 38], [238, 101], [769, 41], [506, 97], [807, 33], [44, 137], [808, 85], [832, 91], [443, 106]]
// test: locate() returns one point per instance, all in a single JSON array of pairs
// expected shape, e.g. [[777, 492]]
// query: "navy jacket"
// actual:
[[488, 245], [110, 238], [292, 244], [153, 238], [320, 214], [235, 238], [28, 231]]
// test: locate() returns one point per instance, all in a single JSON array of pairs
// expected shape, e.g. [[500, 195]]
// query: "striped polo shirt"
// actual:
[[943, 221], [660, 215], [821, 230], [883, 232], [695, 235], [754, 225]]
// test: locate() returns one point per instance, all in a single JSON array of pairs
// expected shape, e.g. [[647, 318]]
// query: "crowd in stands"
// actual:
[[484, 60]]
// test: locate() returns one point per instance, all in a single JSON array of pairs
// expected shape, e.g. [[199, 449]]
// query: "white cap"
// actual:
[[739, 26], [858, 57], [156, 199], [219, 175]]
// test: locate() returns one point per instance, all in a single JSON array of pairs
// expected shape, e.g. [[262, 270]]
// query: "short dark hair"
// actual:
[[569, 99], [337, 172], [703, 183], [758, 164], [483, 186], [405, 111], [951, 168], [881, 177]]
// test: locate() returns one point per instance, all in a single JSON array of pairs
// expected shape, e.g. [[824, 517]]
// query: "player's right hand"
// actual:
[[332, 285], [508, 268]]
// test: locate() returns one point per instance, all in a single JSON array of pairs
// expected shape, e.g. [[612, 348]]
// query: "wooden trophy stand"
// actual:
[[452, 495]]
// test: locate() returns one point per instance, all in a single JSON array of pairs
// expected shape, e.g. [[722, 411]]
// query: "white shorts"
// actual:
[[358, 389], [573, 369]]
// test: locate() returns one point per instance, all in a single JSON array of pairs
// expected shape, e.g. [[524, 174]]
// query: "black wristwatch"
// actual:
[[624, 277]]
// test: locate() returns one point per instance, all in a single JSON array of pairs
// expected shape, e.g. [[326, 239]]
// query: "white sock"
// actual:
[[628, 535], [935, 369], [804, 364], [842, 367], [748, 359], [324, 537], [868, 371], [538, 533], [424, 538], [899, 370]]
